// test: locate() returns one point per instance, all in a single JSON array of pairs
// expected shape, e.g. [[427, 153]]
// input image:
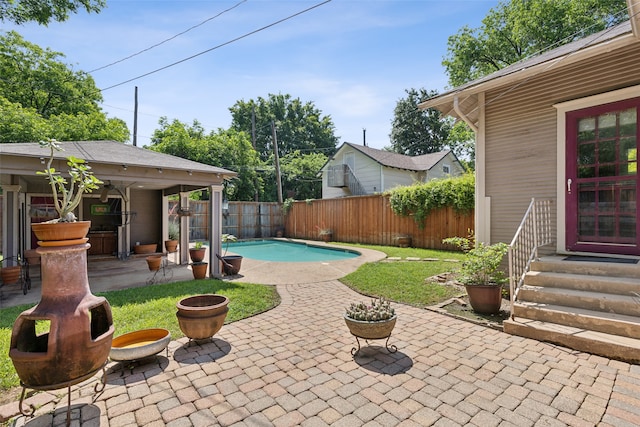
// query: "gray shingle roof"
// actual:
[[111, 152], [400, 161]]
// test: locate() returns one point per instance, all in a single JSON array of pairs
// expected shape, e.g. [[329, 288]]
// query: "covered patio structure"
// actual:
[[131, 206]]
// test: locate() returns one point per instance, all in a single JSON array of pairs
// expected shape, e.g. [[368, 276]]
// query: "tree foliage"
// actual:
[[414, 131], [299, 173], [41, 97], [299, 126], [45, 11], [420, 199], [517, 29], [229, 149]]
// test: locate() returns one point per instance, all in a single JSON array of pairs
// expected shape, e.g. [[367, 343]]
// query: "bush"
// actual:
[[419, 199]]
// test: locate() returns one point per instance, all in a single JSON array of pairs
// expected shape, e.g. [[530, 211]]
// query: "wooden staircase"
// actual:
[[584, 305]]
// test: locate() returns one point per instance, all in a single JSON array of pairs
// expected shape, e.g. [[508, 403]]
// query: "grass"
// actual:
[[151, 307], [404, 281]]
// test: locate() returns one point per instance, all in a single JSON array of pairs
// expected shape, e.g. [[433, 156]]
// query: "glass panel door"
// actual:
[[602, 179]]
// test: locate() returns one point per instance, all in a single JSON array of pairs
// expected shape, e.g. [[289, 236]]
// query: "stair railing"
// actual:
[[534, 232], [352, 182]]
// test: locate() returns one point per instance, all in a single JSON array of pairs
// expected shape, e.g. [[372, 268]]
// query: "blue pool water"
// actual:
[[279, 251]]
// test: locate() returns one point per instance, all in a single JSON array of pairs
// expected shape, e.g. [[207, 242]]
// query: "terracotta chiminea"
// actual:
[[78, 325]]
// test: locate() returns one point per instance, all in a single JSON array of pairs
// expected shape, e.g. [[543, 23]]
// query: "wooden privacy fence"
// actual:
[[370, 220], [361, 219], [245, 220]]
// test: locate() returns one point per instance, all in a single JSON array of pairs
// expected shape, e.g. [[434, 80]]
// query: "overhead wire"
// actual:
[[169, 39], [219, 45]]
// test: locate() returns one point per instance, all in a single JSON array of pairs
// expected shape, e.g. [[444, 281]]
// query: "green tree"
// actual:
[[229, 149], [517, 29], [45, 11], [41, 97], [414, 131], [36, 78], [299, 174], [299, 126]]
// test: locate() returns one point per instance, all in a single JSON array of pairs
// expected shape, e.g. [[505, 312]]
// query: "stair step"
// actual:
[[610, 285], [611, 323], [603, 344], [597, 301], [558, 264]]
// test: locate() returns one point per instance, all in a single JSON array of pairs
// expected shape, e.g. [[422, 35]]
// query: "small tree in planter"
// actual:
[[480, 273]]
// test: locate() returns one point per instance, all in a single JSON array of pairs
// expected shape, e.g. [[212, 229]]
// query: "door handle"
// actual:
[[569, 181]]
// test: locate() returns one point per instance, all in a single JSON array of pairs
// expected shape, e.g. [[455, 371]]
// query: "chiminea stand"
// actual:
[[30, 411]]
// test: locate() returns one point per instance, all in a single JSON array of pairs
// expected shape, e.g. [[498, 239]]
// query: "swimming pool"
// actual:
[[284, 251]]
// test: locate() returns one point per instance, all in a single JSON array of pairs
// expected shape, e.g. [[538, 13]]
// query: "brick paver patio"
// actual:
[[292, 366]]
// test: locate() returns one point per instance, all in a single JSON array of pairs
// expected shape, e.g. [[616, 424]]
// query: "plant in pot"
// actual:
[[325, 233], [171, 245], [230, 263], [480, 273], [67, 195], [197, 252], [371, 321]]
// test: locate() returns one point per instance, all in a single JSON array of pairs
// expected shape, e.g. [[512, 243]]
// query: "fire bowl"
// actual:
[[139, 344]]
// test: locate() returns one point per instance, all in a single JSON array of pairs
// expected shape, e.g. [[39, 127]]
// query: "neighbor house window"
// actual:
[[446, 169]]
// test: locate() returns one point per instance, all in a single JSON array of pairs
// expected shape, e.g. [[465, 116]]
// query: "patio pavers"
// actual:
[[292, 366]]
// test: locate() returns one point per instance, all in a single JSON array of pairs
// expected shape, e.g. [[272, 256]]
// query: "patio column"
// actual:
[[215, 225], [183, 244]]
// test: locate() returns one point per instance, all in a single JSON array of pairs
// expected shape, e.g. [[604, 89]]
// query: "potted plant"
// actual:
[[197, 252], [67, 195], [171, 245], [230, 263], [324, 232], [480, 273], [371, 321]]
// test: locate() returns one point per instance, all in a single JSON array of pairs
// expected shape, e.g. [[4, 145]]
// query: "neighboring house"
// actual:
[[132, 203], [563, 126], [356, 170]]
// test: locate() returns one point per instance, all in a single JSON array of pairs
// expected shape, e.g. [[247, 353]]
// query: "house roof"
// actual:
[[400, 161], [465, 96], [112, 152]]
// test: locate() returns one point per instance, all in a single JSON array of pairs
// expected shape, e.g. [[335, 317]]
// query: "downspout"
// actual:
[[456, 108]]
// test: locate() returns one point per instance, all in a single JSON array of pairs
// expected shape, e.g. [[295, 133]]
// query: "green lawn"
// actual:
[[151, 307], [404, 281]]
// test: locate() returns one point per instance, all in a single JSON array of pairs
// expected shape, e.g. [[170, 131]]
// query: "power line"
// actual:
[[220, 45], [167, 40]]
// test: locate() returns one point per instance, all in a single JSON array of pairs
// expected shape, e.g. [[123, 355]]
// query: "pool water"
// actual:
[[280, 251]]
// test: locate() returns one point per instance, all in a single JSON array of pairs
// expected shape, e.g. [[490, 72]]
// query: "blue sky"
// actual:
[[352, 58]]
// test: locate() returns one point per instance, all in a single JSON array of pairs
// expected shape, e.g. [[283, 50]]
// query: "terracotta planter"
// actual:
[[199, 270], [154, 262], [197, 255], [80, 332], [485, 299], [171, 245], [56, 234], [10, 275], [326, 237], [202, 316], [139, 344], [403, 241], [371, 330], [145, 249], [231, 264]]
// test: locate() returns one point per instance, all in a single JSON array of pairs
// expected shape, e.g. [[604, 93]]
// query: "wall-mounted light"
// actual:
[[42, 160], [159, 170], [124, 167], [190, 173]]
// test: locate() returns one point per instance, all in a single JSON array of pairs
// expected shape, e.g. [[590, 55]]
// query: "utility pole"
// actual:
[[277, 160], [253, 141], [135, 118]]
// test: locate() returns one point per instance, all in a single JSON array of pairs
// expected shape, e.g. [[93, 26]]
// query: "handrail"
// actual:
[[534, 232], [353, 183]]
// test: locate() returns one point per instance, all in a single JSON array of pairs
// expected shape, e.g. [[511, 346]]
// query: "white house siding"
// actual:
[[521, 132], [455, 168]]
